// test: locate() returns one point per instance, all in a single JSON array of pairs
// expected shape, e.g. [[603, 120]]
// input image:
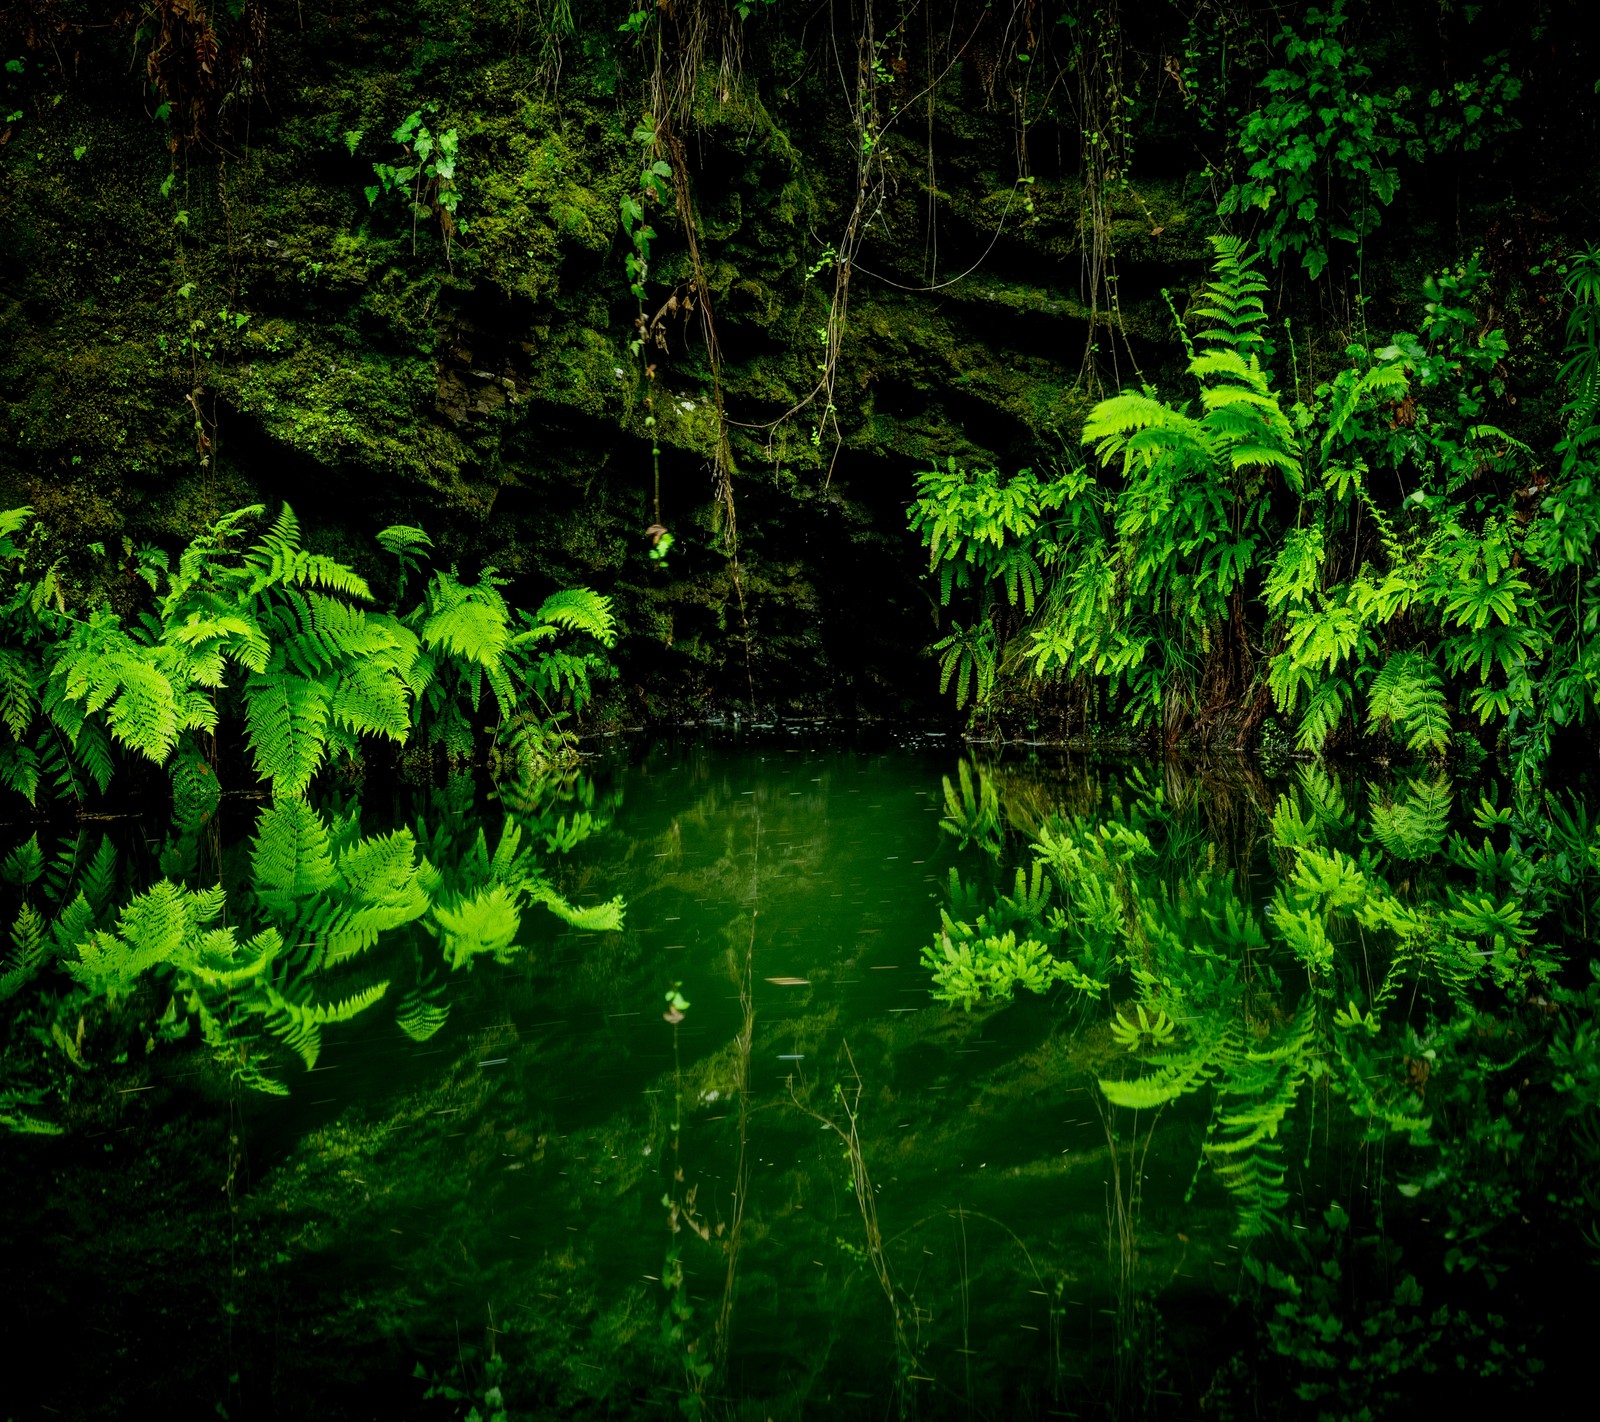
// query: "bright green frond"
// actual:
[[580, 610], [286, 721]]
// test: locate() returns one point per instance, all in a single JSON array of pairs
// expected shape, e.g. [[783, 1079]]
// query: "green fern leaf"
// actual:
[[1408, 694], [279, 561], [1324, 711], [298, 1021], [420, 1015], [286, 721], [486, 922], [579, 610], [371, 699], [1413, 825], [19, 771], [592, 918], [290, 859], [18, 692], [472, 630]]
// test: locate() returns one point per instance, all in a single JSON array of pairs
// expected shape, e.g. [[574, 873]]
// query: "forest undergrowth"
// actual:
[[1249, 409]]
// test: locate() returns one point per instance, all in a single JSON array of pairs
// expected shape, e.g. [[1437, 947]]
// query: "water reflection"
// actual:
[[812, 1187]]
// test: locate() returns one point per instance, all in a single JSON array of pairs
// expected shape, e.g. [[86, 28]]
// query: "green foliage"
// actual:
[[984, 537], [1154, 572], [655, 178], [1408, 695], [972, 810], [264, 969], [1063, 920], [288, 644], [289, 637], [979, 531], [1349, 1352], [1245, 523], [1370, 934], [1413, 825], [1320, 150], [425, 177]]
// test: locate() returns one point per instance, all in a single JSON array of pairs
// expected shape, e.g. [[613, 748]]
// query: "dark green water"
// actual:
[[883, 1205]]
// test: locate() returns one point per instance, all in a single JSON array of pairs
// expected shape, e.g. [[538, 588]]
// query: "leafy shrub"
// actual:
[[1320, 151]]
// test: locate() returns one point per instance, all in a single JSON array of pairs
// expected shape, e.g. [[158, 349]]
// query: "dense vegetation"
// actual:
[[545, 285], [1204, 376]]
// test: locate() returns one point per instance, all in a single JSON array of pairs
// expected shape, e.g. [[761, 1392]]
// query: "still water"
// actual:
[[733, 1160]]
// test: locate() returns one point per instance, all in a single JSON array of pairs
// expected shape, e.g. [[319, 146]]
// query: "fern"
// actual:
[[195, 791], [1232, 300], [298, 1020], [466, 622], [1325, 709], [606, 917], [1179, 1071], [29, 947], [322, 669], [407, 545], [1297, 570], [286, 720], [18, 692], [1408, 695], [972, 810], [487, 922], [969, 662], [420, 1014], [291, 859], [578, 610], [327, 894], [278, 560], [1414, 824], [1256, 1090], [101, 670]]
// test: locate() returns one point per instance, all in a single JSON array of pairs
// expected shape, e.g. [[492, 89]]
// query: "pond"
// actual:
[[738, 1158]]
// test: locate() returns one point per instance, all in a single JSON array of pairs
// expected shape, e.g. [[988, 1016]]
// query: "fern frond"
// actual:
[[155, 927], [592, 918], [1324, 711], [1408, 695], [279, 561], [298, 1021], [99, 877], [18, 692], [290, 859], [13, 521], [286, 724], [382, 869], [29, 945], [24, 864], [420, 1014], [472, 629], [195, 791], [92, 747], [1413, 826], [320, 633], [1178, 1072], [19, 771], [372, 700], [485, 922], [347, 897], [402, 539], [1297, 569], [579, 610], [1137, 426], [1232, 299]]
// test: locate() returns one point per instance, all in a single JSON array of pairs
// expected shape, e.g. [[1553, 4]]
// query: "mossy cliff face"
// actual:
[[210, 299]]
